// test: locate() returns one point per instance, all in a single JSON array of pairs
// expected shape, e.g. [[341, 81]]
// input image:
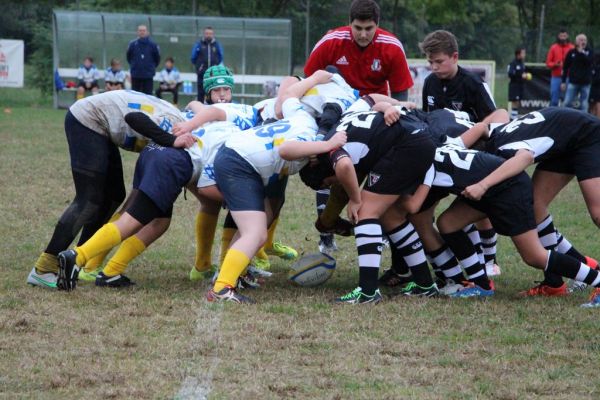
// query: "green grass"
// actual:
[[144, 342]]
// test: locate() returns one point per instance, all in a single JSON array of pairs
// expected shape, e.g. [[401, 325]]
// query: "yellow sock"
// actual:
[[96, 261], [226, 237], [127, 251], [235, 262], [335, 204], [262, 254], [206, 224], [106, 238], [46, 263], [271, 234]]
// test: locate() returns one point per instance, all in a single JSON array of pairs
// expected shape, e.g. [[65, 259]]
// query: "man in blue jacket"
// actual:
[[206, 53], [143, 56]]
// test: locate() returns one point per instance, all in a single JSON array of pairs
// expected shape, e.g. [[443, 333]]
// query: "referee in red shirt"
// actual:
[[369, 58]]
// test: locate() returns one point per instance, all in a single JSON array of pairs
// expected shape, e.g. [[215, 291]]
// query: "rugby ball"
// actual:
[[312, 269]]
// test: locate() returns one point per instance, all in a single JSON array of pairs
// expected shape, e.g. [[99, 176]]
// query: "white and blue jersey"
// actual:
[[112, 76], [212, 135], [170, 77], [259, 145], [88, 75], [105, 113]]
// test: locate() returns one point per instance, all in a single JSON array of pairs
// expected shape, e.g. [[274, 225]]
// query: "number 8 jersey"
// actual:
[[259, 145]]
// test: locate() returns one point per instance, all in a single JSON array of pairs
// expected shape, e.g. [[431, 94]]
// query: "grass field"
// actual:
[[161, 339]]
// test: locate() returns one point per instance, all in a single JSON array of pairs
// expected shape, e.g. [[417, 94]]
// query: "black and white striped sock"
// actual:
[[407, 241], [474, 237], [444, 260], [569, 267], [368, 244], [467, 256], [489, 241]]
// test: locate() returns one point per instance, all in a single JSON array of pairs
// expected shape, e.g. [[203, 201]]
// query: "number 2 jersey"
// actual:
[[259, 145], [104, 113], [548, 133]]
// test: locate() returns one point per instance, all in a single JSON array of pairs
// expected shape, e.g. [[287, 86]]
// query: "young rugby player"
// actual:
[[451, 86], [249, 166], [395, 160], [95, 129], [564, 143]]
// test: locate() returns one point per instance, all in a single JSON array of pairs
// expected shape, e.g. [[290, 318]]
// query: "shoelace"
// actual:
[[355, 293]]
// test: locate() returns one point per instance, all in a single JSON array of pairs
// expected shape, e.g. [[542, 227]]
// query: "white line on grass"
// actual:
[[198, 381], [197, 384]]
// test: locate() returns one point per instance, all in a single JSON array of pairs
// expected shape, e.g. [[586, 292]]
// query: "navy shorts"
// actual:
[[241, 186], [161, 173]]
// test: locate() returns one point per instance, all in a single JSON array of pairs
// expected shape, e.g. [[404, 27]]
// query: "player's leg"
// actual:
[[489, 243], [326, 240], [533, 253], [114, 194], [450, 224], [440, 256], [369, 242], [88, 152], [130, 248], [406, 241], [275, 193], [590, 188]]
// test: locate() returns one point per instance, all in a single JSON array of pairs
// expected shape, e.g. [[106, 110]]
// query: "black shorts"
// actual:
[[402, 169], [161, 173], [94, 84], [508, 205], [92, 152], [583, 162], [515, 92]]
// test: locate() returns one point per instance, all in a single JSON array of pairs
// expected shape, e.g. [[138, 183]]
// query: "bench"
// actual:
[[248, 88]]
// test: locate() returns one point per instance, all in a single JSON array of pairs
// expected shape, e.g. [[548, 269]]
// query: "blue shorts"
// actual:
[[241, 186], [161, 173]]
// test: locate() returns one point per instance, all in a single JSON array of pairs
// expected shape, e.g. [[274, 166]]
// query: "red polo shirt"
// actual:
[[369, 69]]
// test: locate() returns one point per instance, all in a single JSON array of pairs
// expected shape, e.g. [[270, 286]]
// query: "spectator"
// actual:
[[169, 80], [143, 56], [595, 89], [206, 53], [87, 76], [516, 74], [578, 69], [369, 58], [555, 60], [114, 77]]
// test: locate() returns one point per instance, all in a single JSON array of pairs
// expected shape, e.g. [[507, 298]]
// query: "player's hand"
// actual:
[[338, 140], [391, 116], [352, 211], [474, 192], [563, 87], [322, 76], [184, 141], [181, 128]]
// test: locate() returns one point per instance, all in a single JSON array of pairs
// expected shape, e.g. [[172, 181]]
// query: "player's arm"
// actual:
[[140, 122], [297, 149], [346, 175], [202, 115], [482, 129], [509, 168]]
